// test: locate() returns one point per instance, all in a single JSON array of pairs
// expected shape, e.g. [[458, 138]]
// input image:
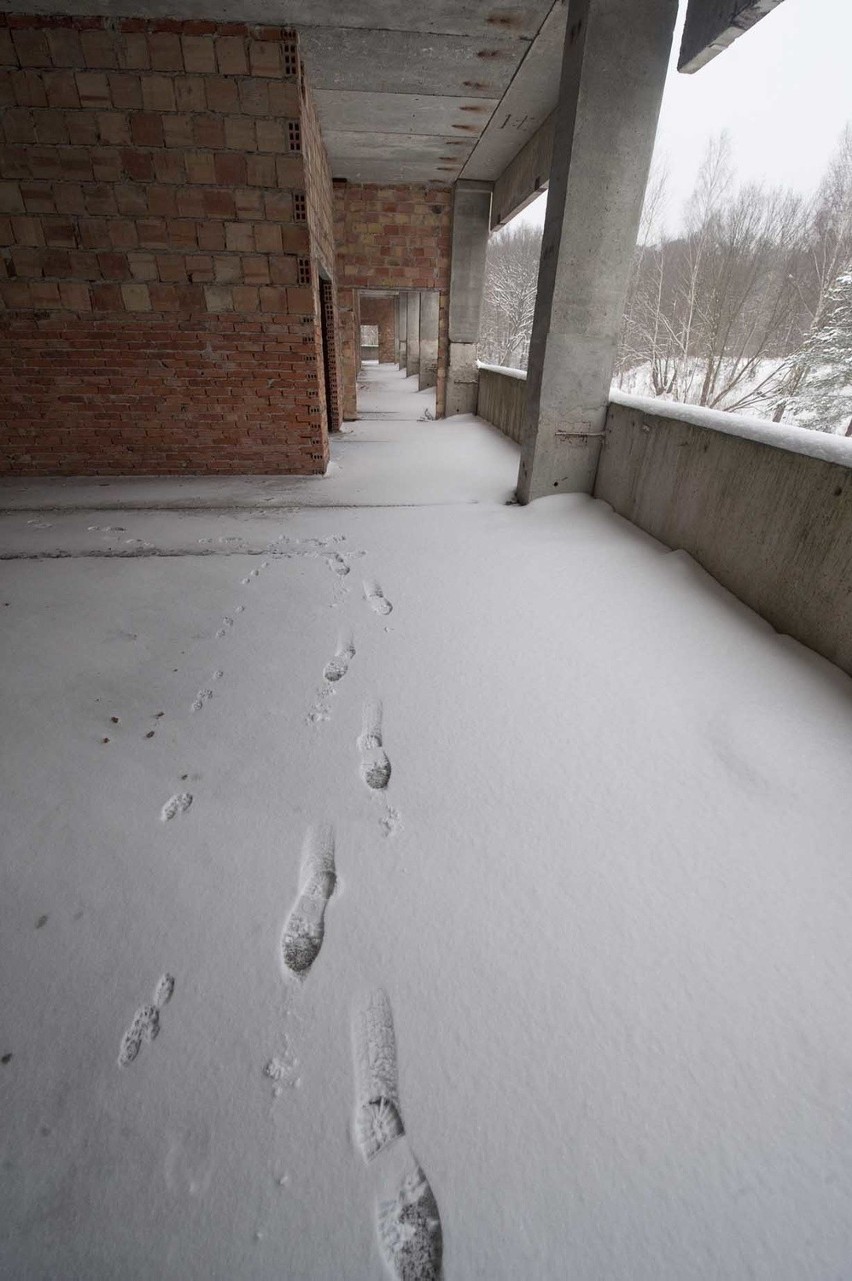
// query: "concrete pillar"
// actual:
[[402, 329], [412, 360], [471, 217], [396, 330], [428, 339], [613, 70]]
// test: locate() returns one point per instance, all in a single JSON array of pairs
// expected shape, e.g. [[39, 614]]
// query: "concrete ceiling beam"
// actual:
[[712, 25]]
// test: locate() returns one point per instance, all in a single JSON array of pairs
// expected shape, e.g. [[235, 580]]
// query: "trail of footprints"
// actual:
[[407, 1218], [408, 1222], [181, 801]]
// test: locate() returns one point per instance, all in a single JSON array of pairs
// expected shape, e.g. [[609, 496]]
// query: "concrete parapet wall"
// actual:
[[501, 399], [771, 522], [766, 509]]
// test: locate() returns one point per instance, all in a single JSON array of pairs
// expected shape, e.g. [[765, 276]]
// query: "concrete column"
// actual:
[[396, 330], [471, 217], [428, 339], [613, 70], [412, 360], [402, 329]]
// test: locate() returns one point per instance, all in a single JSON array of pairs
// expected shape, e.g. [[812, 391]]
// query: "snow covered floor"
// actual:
[[604, 899]]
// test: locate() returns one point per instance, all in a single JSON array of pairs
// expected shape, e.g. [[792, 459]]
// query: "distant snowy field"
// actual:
[[387, 880]]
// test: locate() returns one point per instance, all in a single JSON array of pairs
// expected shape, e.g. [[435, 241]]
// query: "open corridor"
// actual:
[[370, 834]]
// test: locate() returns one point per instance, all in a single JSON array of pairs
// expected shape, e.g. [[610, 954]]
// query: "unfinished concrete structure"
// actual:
[[606, 895], [205, 202]]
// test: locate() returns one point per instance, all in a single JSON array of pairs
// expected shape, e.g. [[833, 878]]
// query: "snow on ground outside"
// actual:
[[606, 894], [760, 388]]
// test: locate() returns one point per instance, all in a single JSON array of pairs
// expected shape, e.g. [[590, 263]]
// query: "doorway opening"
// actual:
[[329, 355]]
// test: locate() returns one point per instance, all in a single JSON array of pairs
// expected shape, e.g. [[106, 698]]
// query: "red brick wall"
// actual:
[[152, 249], [397, 237], [381, 312], [393, 237]]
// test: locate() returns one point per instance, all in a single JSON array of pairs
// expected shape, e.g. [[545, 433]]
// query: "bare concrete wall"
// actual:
[[773, 526], [501, 400]]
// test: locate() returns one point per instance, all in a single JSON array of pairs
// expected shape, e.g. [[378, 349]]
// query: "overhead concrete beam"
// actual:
[[526, 104], [525, 177], [712, 25]]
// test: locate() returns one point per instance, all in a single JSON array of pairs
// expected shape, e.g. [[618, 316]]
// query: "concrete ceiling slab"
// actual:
[[439, 17], [407, 113], [528, 101], [410, 61], [392, 146]]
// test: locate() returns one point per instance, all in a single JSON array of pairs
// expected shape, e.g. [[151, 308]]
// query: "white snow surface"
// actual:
[[606, 893], [520, 374]]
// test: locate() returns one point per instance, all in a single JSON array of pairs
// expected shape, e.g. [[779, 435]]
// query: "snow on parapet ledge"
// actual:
[[798, 440], [503, 369]]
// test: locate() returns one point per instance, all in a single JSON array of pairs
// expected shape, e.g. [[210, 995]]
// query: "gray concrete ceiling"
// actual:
[[406, 92], [431, 92]]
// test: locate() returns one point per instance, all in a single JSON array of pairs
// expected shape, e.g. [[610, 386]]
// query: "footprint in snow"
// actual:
[[408, 1220], [375, 766], [336, 563], [337, 667], [175, 805], [409, 1224], [378, 1118], [376, 598], [145, 1025], [203, 696], [304, 928]]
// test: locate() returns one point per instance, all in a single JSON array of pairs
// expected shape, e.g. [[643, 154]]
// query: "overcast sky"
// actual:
[[783, 91]]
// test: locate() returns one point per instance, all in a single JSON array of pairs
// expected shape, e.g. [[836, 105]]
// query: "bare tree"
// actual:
[[736, 312], [828, 258], [508, 305], [639, 331], [713, 305]]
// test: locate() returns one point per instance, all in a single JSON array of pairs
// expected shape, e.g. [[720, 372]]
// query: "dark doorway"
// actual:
[[329, 354]]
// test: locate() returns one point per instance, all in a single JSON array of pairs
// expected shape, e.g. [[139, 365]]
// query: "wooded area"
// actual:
[[748, 308]]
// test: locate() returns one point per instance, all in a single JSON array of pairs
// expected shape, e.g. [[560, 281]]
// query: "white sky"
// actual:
[[782, 91]]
